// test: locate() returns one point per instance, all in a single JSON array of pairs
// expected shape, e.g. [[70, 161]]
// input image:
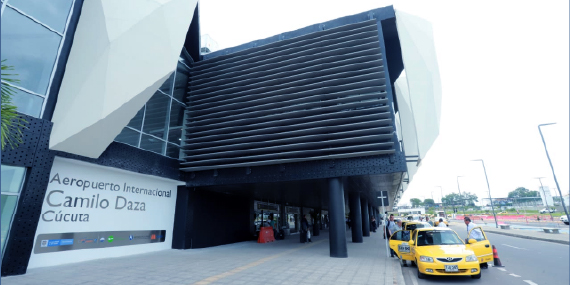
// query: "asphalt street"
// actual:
[[525, 262]]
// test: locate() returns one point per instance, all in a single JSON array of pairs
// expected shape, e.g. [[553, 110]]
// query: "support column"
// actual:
[[355, 216], [365, 218], [337, 233]]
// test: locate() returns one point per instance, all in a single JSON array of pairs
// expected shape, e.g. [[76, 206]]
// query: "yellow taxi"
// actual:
[[441, 252], [412, 225]]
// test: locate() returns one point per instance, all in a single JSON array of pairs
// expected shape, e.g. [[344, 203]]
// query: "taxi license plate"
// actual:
[[403, 248], [451, 268]]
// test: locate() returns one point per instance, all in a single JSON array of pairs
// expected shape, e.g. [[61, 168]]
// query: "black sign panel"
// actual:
[[88, 240], [382, 194]]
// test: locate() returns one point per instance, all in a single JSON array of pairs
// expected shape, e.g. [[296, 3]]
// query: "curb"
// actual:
[[529, 237]]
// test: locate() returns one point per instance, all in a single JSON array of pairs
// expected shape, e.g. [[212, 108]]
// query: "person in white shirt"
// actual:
[[475, 234], [441, 224], [428, 221]]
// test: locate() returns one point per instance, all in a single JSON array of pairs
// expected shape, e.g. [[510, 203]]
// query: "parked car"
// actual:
[[564, 219], [544, 211]]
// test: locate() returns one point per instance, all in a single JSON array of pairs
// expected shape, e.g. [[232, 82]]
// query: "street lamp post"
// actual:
[[551, 167], [461, 197], [489, 188], [545, 201]]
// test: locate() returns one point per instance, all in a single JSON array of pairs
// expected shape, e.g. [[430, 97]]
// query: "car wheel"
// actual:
[[477, 276], [421, 275], [413, 263], [403, 263]]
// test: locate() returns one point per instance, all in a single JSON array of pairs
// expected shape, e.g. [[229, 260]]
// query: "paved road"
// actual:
[[526, 262]]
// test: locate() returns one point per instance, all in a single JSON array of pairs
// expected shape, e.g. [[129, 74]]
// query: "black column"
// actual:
[[365, 218], [355, 216], [337, 236]]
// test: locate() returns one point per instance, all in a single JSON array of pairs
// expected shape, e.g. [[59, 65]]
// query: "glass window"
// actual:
[[51, 13], [151, 143], [128, 136], [172, 151], [175, 135], [8, 207], [27, 103], [155, 116], [176, 122], [167, 85], [181, 83], [136, 121], [30, 48], [12, 178]]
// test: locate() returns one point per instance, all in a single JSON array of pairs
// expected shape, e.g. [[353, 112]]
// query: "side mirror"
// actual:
[[472, 241], [411, 242]]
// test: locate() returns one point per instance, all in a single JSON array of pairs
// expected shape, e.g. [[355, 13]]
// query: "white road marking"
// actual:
[[530, 282], [514, 275], [413, 277], [502, 269], [514, 247]]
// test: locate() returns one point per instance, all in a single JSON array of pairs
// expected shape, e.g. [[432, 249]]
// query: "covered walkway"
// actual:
[[281, 262]]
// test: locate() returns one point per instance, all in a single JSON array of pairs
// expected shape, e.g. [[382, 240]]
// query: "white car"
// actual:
[[544, 211], [564, 219]]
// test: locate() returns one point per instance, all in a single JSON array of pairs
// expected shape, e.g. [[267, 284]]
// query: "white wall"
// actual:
[[157, 215]]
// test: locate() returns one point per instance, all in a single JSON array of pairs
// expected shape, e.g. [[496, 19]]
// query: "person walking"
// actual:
[[373, 224], [305, 228]]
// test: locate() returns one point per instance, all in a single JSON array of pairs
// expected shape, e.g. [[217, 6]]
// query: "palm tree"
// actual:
[[12, 122]]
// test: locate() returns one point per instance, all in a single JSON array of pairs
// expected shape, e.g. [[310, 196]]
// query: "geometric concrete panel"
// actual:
[[423, 80], [122, 52]]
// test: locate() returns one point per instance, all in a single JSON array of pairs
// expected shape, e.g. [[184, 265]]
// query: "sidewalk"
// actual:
[[281, 262], [562, 238]]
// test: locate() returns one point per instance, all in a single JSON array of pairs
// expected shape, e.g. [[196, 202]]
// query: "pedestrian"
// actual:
[[441, 223], [428, 221], [373, 224], [471, 231], [305, 228], [390, 229]]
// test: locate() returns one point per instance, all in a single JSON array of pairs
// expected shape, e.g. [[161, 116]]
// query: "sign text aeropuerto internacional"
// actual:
[[57, 198]]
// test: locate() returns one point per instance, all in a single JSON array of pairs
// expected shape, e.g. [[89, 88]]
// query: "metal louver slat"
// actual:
[[318, 96]]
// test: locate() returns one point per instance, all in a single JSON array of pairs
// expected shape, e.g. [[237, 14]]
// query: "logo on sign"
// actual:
[[111, 238], [102, 239], [153, 236], [131, 237], [44, 243]]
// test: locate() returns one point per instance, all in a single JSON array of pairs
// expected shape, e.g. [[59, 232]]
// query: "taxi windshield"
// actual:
[[438, 238]]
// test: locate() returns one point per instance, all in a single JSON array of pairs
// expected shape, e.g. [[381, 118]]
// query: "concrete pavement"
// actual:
[[280, 262]]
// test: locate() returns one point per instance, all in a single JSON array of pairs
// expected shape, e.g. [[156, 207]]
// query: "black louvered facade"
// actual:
[[319, 96]]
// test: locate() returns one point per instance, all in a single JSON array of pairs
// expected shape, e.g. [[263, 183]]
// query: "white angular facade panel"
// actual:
[[408, 124], [423, 79], [122, 52]]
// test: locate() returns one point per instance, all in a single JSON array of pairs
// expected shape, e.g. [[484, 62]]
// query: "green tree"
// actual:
[[12, 122], [416, 202], [522, 192], [466, 198], [429, 202]]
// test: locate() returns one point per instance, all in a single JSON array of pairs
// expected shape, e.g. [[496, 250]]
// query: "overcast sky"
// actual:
[[504, 68]]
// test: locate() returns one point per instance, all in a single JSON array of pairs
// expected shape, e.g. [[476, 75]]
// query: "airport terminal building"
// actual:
[[136, 142]]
